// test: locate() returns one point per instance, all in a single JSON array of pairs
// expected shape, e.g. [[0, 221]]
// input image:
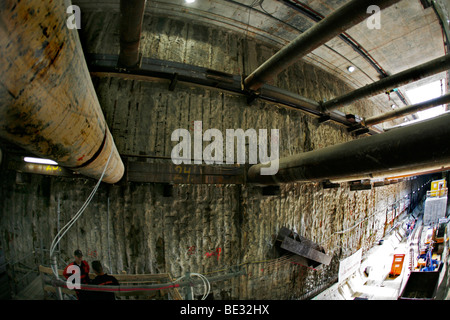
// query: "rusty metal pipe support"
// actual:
[[410, 75], [48, 104], [132, 16], [394, 114], [422, 146], [350, 14]]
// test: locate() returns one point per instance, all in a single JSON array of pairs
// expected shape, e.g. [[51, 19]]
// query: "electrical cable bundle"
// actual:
[[66, 228], [205, 281]]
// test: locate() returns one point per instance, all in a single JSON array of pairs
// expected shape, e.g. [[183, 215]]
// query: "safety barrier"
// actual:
[[437, 193]]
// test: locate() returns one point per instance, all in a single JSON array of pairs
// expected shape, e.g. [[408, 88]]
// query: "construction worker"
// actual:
[[102, 279], [83, 266]]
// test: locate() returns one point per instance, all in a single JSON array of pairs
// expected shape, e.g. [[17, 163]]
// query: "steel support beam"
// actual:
[[102, 65], [350, 14], [48, 104], [443, 21], [394, 114], [422, 146], [419, 72], [132, 16], [184, 173]]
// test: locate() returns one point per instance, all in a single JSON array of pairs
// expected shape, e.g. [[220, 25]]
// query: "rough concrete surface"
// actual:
[[134, 228]]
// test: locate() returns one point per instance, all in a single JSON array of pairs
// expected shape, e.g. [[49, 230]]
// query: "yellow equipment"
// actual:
[[438, 188]]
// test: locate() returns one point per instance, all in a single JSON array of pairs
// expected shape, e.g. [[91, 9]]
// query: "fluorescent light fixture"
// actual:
[[189, 1], [39, 161], [351, 69]]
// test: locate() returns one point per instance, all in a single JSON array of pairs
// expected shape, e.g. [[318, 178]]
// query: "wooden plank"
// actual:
[[48, 270], [123, 279], [142, 277], [48, 288], [304, 250], [283, 233], [175, 294], [309, 243]]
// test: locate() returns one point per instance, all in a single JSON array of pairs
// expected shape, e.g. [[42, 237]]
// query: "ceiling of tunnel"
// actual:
[[409, 35]]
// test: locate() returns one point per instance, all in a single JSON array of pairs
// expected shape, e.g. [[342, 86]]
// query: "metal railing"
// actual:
[[437, 193]]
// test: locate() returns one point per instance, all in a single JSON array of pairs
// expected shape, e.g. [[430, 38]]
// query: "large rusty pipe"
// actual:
[[48, 104], [421, 146], [404, 111], [131, 18], [410, 75], [350, 14]]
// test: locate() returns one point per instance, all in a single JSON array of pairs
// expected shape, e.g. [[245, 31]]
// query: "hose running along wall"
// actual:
[[48, 104]]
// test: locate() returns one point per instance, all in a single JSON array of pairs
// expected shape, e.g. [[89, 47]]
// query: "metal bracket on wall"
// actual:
[[330, 185], [360, 185], [173, 82], [251, 98], [324, 118], [358, 129], [354, 127]]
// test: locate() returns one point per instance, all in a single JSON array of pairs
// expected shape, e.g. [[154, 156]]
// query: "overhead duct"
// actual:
[[410, 75], [398, 173], [404, 111], [422, 146], [350, 14], [131, 18], [48, 104]]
